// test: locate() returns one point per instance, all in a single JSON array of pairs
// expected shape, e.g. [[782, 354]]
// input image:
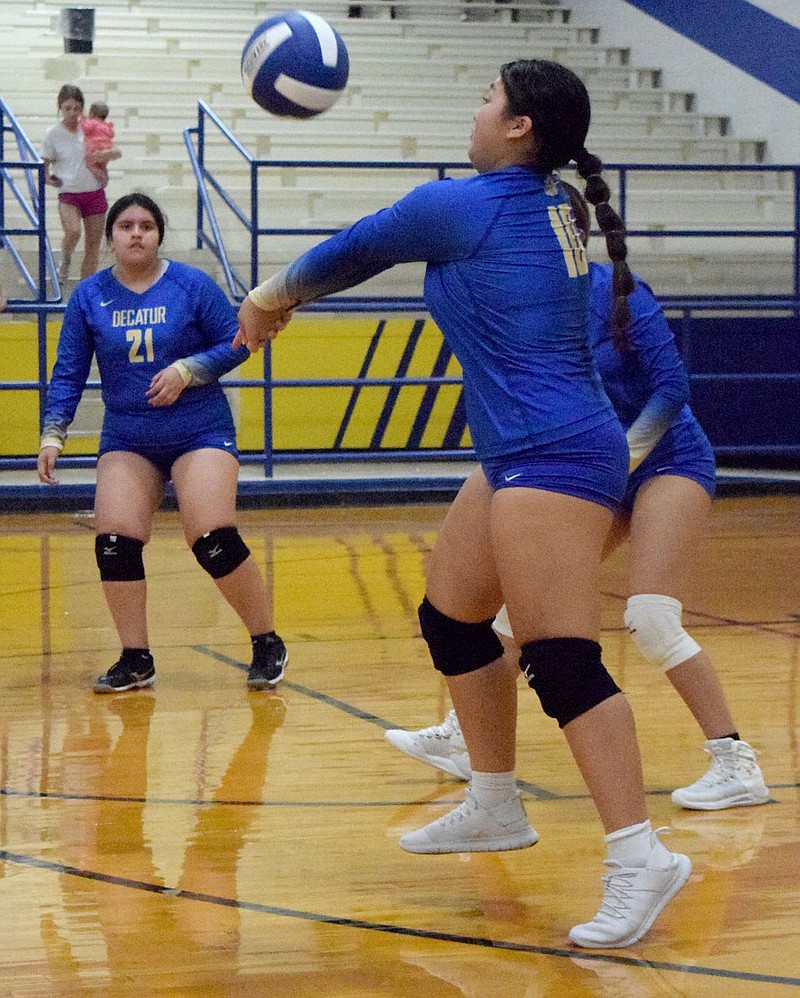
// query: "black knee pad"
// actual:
[[457, 648], [119, 558], [220, 551], [567, 675]]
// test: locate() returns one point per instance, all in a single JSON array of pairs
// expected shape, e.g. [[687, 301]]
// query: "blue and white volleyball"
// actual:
[[295, 64]]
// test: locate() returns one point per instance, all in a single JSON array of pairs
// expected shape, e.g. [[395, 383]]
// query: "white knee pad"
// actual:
[[654, 623], [502, 624]]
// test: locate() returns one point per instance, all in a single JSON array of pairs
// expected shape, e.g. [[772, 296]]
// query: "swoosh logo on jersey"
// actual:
[[510, 478], [104, 303]]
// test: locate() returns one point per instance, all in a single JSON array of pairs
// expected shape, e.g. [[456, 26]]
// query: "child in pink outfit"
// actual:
[[98, 134]]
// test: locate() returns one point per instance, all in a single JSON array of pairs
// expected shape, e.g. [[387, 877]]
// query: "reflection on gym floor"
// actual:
[[197, 839]]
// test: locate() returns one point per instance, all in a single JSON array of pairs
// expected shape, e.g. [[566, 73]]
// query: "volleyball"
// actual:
[[295, 64]]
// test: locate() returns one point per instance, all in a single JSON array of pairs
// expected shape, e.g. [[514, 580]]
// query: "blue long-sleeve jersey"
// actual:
[[647, 383], [184, 315], [506, 282]]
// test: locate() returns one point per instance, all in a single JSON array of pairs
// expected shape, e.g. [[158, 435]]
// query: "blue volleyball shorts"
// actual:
[[592, 465], [164, 456], [685, 451]]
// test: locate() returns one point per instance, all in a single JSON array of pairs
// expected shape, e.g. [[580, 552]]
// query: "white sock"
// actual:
[[631, 846], [492, 789]]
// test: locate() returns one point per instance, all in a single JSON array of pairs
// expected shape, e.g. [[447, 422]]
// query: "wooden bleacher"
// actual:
[[415, 81]]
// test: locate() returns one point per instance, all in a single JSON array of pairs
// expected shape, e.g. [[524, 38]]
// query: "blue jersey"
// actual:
[[506, 282], [183, 316], [648, 386]]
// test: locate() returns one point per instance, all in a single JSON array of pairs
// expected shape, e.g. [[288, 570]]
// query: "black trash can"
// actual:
[[76, 24]]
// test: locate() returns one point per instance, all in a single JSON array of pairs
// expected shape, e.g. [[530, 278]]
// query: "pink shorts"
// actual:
[[87, 202]]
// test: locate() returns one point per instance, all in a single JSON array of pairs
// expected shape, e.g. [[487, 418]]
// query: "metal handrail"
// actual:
[[195, 139], [250, 221], [32, 166]]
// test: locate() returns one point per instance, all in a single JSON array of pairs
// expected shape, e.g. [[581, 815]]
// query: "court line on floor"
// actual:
[[12, 793], [537, 792], [357, 923]]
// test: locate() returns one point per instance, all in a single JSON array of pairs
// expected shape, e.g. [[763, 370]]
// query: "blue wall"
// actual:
[[745, 377]]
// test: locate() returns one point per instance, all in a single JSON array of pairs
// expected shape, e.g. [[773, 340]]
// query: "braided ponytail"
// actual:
[[598, 193], [557, 103]]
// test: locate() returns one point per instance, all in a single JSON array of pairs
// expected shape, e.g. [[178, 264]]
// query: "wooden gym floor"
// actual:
[[195, 839]]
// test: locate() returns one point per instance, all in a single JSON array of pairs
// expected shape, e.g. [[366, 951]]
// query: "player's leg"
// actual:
[[71, 225], [442, 745], [93, 226], [205, 483], [670, 516], [129, 491], [462, 595], [462, 584], [548, 549]]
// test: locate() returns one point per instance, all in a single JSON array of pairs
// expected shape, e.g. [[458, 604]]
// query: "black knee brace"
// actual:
[[220, 551], [567, 675], [119, 558], [457, 648]]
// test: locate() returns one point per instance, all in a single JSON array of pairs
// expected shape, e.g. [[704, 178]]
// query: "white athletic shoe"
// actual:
[[734, 779], [633, 899], [474, 828], [63, 271], [442, 746]]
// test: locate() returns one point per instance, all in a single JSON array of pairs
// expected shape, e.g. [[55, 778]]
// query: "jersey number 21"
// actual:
[[136, 340]]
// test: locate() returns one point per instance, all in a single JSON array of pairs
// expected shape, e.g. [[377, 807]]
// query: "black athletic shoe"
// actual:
[[133, 670], [269, 662]]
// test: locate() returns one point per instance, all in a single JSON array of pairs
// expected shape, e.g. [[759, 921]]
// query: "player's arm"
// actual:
[[70, 374], [426, 225], [217, 322], [652, 339]]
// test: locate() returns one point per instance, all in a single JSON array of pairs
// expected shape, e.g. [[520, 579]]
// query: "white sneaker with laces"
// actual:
[[734, 779], [442, 746], [634, 897], [474, 828]]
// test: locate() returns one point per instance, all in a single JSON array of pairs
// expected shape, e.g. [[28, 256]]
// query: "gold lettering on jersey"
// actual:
[[563, 223], [137, 339], [139, 316]]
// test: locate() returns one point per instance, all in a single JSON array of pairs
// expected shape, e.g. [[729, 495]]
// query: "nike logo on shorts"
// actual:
[[510, 478]]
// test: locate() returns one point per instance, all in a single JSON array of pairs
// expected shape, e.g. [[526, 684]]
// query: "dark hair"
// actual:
[[580, 209], [557, 103], [99, 110], [69, 92], [138, 200], [621, 314]]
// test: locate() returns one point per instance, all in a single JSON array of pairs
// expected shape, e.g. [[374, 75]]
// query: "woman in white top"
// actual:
[[80, 195]]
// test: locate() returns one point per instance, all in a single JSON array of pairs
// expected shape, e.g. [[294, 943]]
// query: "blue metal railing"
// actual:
[[196, 139], [209, 236], [28, 191]]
